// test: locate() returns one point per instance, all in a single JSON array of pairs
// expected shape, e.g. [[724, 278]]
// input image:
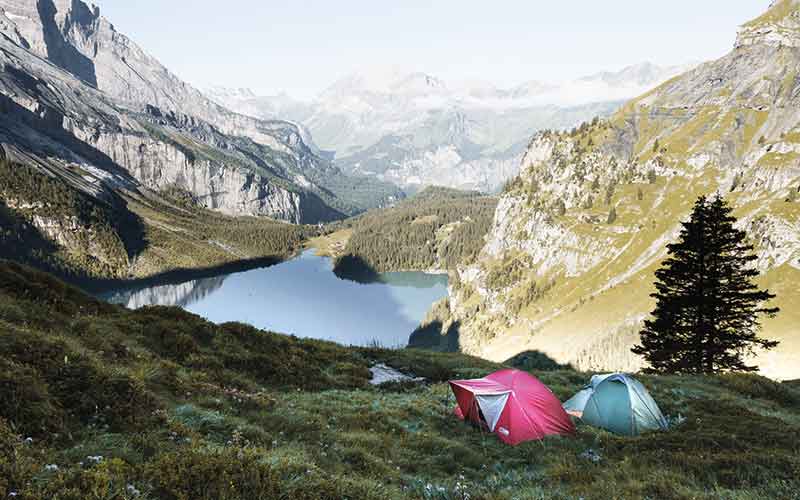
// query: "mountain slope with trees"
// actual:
[[437, 229], [590, 217]]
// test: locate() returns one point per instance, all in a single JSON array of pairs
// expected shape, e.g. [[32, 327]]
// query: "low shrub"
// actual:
[[226, 475]]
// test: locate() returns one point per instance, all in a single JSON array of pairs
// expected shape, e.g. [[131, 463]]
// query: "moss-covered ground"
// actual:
[[100, 402]]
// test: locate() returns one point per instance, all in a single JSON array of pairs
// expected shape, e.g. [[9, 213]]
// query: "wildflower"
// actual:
[[51, 467], [12, 493], [132, 490], [95, 458], [591, 455], [676, 420], [28, 440]]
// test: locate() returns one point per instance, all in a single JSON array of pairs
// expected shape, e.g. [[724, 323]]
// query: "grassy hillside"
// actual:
[[569, 263], [100, 402], [436, 228]]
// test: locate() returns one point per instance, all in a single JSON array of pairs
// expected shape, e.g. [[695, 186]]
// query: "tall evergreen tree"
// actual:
[[707, 312]]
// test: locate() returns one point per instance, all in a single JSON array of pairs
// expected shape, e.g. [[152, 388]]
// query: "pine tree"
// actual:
[[707, 313]]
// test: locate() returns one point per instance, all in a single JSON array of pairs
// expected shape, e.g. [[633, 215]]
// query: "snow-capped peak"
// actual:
[[418, 83]]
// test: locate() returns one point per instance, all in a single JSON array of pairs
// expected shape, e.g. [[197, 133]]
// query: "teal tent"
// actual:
[[618, 403]]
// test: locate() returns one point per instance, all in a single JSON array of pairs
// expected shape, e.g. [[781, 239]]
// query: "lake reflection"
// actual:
[[305, 298]]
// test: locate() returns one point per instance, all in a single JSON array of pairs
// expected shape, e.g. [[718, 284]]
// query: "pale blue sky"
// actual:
[[304, 46]]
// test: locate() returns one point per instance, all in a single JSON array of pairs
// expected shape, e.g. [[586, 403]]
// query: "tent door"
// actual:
[[492, 405]]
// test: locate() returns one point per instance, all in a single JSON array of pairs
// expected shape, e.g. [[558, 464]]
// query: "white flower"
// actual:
[[51, 467]]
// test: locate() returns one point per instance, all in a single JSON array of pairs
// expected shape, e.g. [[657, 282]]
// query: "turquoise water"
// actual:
[[304, 297]]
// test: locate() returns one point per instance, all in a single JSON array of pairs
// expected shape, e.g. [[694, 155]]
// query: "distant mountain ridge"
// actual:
[[414, 129]]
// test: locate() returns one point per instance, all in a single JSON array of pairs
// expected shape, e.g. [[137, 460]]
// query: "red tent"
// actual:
[[513, 404]]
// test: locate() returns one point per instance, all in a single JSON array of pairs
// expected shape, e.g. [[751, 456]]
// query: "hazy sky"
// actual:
[[301, 47]]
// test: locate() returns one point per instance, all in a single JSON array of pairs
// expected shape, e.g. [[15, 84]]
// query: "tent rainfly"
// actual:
[[618, 403], [513, 404]]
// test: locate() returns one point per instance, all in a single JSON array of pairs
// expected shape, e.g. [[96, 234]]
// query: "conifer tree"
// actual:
[[707, 312]]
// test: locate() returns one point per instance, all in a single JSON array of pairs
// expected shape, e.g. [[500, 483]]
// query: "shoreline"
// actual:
[[173, 276]]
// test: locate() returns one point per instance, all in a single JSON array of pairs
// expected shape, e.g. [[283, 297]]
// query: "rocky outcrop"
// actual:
[[578, 236], [779, 26]]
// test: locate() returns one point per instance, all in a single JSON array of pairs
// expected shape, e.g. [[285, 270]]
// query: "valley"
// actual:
[[200, 290], [103, 184], [127, 235]]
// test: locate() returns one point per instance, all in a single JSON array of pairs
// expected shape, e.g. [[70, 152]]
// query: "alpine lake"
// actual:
[[303, 297]]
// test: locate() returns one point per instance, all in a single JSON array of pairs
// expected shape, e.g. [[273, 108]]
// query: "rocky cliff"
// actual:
[[568, 265], [77, 94]]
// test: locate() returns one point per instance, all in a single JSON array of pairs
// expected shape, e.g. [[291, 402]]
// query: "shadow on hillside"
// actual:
[[129, 226], [23, 242], [50, 124], [536, 360], [59, 50], [433, 337]]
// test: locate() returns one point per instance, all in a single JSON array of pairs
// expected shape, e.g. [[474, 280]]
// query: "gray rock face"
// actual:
[[79, 95]]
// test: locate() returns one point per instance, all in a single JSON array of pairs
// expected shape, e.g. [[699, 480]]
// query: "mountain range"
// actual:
[[84, 103], [414, 129]]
